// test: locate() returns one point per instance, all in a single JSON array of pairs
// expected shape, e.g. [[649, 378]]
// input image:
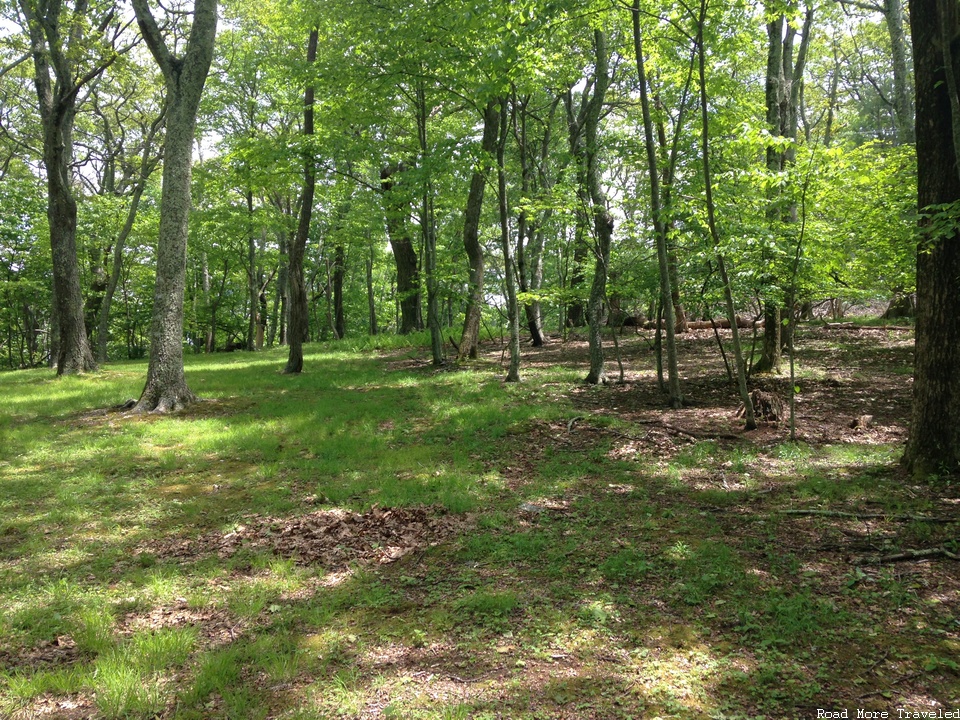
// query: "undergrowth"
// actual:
[[597, 579]]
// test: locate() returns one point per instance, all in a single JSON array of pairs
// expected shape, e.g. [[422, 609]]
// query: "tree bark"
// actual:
[[428, 228], [783, 84], [902, 102], [166, 387], [933, 445], [750, 422], [371, 296], [58, 82], [470, 337], [513, 308], [339, 268], [404, 252], [148, 163], [602, 219], [663, 256], [297, 291]]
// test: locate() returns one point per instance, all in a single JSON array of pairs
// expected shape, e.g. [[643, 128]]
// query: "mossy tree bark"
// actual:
[[184, 77], [60, 38]]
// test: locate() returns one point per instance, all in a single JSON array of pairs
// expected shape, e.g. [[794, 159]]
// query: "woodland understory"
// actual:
[[380, 538]]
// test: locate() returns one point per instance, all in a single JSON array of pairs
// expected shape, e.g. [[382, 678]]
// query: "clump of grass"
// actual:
[[626, 566], [483, 604]]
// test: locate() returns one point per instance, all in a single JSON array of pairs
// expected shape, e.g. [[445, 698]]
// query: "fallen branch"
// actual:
[[907, 555], [665, 426], [870, 516], [855, 326]]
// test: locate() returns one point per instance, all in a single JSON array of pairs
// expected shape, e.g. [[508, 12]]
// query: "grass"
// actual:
[[593, 582]]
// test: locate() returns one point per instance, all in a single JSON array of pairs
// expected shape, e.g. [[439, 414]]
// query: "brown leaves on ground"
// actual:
[[332, 538]]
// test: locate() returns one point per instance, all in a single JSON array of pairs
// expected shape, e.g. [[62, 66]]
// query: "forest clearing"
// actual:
[[329, 388], [379, 538]]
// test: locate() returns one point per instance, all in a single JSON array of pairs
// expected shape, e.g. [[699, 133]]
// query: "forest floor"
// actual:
[[378, 538]]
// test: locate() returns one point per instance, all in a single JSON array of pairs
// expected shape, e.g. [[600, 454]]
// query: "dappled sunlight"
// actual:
[[552, 555]]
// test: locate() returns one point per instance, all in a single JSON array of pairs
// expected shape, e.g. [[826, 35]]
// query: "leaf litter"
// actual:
[[332, 538]]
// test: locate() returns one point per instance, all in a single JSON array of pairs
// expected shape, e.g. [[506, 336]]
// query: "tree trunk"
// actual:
[[748, 410], [297, 291], [933, 445], [602, 219], [404, 253], [166, 387], [428, 227], [470, 337], [253, 287], [513, 308], [339, 267], [902, 102], [371, 296], [58, 82], [663, 256], [103, 321], [783, 84]]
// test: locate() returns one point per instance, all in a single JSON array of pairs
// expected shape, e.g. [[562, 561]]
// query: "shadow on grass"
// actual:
[[598, 583]]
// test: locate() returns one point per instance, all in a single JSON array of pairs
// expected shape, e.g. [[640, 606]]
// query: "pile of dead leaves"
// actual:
[[334, 538]]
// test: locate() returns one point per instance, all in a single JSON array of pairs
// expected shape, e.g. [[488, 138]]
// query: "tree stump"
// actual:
[[767, 406]]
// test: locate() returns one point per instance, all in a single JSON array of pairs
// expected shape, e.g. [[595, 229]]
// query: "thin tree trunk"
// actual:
[[297, 291], [513, 309], [371, 297], [470, 337], [602, 219], [666, 296], [429, 229], [750, 420], [404, 253], [339, 268]]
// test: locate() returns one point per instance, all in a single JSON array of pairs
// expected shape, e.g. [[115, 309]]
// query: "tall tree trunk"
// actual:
[[148, 163], [371, 296], [933, 445], [902, 102], [470, 337], [252, 284], [297, 291], [428, 227], [750, 419], [58, 82], [783, 84], [513, 308], [166, 387], [339, 268], [602, 219], [404, 252], [663, 260]]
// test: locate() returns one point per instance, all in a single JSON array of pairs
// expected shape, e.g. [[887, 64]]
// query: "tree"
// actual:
[[933, 445], [784, 81], [659, 226], [71, 47], [601, 216], [470, 337], [299, 319], [184, 77]]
